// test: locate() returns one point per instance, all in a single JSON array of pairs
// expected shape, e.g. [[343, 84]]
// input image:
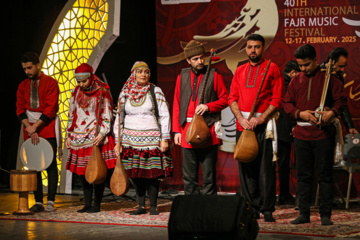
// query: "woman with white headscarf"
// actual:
[[144, 135]]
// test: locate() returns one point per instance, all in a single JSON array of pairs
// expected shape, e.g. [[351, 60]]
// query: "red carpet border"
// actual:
[[346, 222]]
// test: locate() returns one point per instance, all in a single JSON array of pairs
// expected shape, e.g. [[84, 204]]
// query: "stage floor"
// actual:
[[18, 229]]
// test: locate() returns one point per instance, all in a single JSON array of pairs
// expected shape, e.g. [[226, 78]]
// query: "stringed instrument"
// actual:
[[198, 132], [322, 107], [247, 147], [96, 170], [119, 182]]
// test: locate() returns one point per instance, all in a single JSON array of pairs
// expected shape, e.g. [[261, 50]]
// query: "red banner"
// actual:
[[224, 25]]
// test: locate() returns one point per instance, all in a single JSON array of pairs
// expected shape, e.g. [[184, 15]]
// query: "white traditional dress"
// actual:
[[141, 133], [82, 127]]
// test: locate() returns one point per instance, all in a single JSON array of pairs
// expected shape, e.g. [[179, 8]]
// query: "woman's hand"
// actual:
[[118, 149], [68, 143], [164, 145], [98, 139]]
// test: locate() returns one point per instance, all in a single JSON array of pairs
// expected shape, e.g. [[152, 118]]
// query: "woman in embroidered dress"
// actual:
[[81, 130], [143, 140]]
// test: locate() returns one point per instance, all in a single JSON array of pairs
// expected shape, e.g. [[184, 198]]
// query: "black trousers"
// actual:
[[258, 178], [319, 153], [192, 158], [284, 151], [89, 189], [152, 187], [52, 173]]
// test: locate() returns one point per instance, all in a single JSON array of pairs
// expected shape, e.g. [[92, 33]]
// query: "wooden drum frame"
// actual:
[[23, 181]]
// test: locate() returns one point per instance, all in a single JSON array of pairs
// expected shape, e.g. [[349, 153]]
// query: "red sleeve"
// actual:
[[51, 106], [278, 88], [222, 93], [289, 99], [234, 89], [20, 100], [176, 107]]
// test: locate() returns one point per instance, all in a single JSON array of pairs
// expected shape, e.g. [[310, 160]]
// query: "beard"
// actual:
[[255, 59]]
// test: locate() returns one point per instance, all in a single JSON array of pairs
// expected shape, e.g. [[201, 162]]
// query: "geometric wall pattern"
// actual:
[[78, 34]]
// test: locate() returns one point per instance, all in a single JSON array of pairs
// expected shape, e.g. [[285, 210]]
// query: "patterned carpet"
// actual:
[[346, 222]]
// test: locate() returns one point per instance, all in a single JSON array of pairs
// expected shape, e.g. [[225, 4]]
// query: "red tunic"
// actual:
[[245, 85], [216, 106], [304, 93], [48, 97]]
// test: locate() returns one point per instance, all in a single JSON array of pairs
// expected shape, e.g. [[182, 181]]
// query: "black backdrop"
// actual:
[[26, 26]]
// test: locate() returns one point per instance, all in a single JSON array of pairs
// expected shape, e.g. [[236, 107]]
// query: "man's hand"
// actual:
[[68, 143], [255, 121], [118, 149], [353, 131], [34, 138], [30, 129], [327, 117], [177, 139], [308, 116], [164, 146], [201, 109], [98, 139], [244, 123]]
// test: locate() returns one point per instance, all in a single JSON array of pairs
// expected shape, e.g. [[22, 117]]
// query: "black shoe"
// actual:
[[301, 219], [269, 217], [140, 210], [325, 221], [93, 209], [84, 209], [37, 208], [153, 211]]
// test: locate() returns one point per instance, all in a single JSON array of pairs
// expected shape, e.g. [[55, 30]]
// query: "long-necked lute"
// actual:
[[247, 147], [198, 132], [119, 182], [96, 169], [329, 68]]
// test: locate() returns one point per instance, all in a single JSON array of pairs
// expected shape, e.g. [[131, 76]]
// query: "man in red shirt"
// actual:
[[189, 85], [258, 178], [314, 140], [36, 107]]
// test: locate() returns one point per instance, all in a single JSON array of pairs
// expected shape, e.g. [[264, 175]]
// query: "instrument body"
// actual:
[[247, 147], [96, 169], [119, 182], [36, 157], [198, 132], [23, 182]]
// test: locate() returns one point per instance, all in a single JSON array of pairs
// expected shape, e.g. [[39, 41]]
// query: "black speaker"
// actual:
[[212, 217]]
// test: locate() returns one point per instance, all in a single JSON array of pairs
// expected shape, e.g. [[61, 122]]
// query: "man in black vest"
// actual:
[[189, 87]]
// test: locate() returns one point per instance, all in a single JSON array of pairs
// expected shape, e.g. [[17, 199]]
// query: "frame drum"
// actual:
[[36, 157], [23, 181]]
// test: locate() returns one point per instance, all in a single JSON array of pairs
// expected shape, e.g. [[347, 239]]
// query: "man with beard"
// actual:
[[36, 107], [189, 85], [339, 57], [314, 140], [257, 178]]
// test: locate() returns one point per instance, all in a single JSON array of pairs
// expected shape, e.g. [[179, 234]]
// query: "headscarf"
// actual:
[[131, 88], [83, 97], [85, 71]]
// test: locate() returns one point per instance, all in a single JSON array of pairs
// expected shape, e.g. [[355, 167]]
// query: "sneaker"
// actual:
[[38, 207], [50, 206]]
